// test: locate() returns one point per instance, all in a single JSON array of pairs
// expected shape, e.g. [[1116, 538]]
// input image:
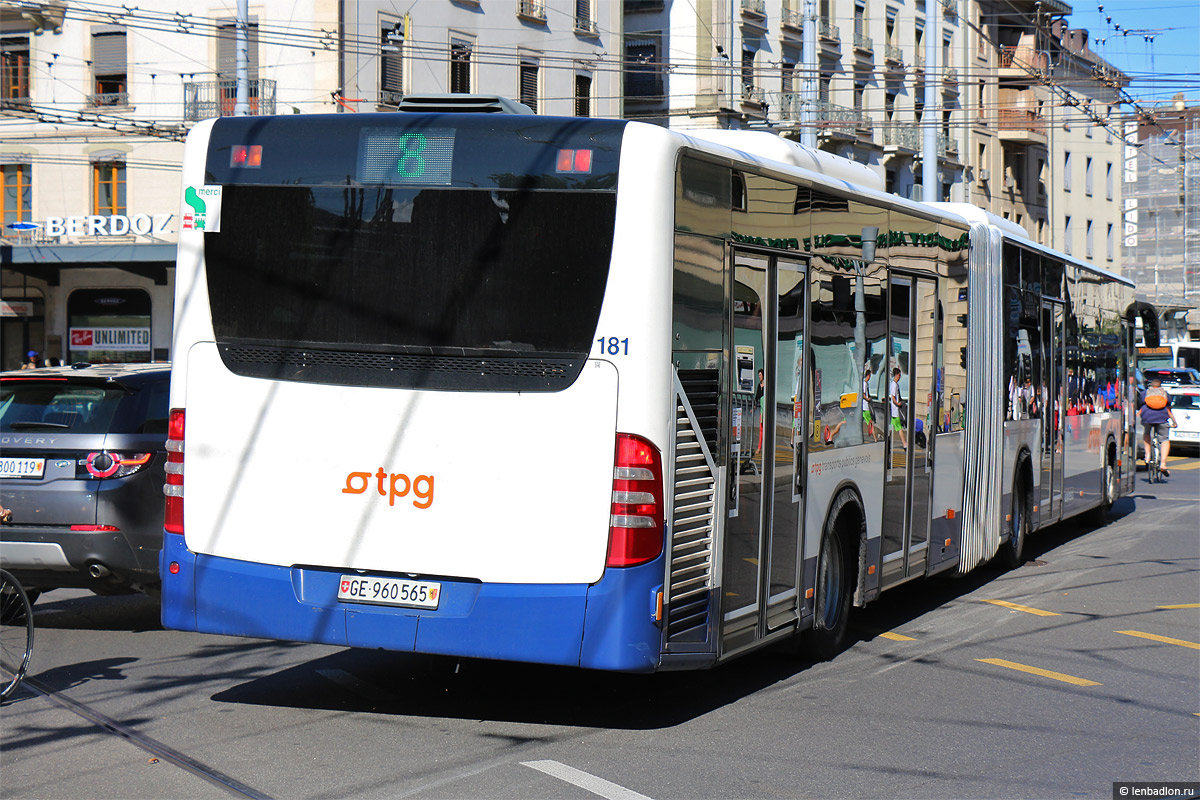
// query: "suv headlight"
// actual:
[[106, 464]]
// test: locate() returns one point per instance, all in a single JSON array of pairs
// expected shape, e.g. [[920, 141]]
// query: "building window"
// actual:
[[1066, 177], [584, 21], [1087, 176], [14, 70], [391, 64], [642, 78], [1108, 181], [982, 108], [227, 65], [460, 66], [16, 198], [787, 77], [1110, 243], [583, 95], [1068, 234], [123, 314], [748, 83], [1087, 239], [111, 87], [529, 83], [108, 188]]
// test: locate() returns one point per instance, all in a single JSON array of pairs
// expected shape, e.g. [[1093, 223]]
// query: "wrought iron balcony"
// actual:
[[946, 146], [753, 94], [834, 120], [754, 8], [863, 42], [792, 20], [109, 99], [828, 31], [207, 99], [532, 9], [585, 25], [905, 136], [893, 54]]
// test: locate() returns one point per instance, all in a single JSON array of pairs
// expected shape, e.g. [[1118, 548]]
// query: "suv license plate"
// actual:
[[389, 591], [22, 467]]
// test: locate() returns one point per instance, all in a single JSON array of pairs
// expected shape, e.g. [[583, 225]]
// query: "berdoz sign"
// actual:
[[116, 225]]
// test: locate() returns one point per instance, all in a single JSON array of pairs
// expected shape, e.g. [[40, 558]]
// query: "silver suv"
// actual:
[[82, 450]]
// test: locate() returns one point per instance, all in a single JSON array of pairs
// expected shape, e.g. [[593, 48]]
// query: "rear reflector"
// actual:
[[635, 533], [173, 488], [94, 528]]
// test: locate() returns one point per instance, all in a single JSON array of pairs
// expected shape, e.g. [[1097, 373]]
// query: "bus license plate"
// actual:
[[22, 467], [389, 591]]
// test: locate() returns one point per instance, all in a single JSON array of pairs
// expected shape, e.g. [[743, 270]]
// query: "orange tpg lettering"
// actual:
[[392, 485]]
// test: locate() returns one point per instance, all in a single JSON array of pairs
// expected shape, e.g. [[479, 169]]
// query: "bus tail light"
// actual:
[[173, 488], [635, 533]]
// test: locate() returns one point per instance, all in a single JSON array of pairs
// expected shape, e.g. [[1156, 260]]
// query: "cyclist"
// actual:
[[1156, 414]]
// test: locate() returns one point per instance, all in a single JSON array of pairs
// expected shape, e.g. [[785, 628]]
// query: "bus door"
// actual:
[[760, 551], [913, 332], [1050, 501]]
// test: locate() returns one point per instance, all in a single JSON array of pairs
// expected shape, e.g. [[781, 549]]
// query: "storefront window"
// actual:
[[108, 325]]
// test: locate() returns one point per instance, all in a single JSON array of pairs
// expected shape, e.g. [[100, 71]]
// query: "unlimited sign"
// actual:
[[110, 338]]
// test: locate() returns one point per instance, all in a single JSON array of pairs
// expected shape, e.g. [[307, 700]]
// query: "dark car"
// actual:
[[82, 450], [1171, 376]]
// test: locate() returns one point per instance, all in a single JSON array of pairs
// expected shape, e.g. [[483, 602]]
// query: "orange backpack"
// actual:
[[1156, 399]]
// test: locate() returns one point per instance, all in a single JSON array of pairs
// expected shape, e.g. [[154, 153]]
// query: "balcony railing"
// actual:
[[950, 75], [217, 99], [905, 136], [919, 61], [1023, 58], [893, 54], [792, 20], [946, 146], [533, 9], [1021, 119], [753, 94], [839, 119], [863, 42], [827, 30], [109, 99], [754, 8], [951, 7], [585, 25]]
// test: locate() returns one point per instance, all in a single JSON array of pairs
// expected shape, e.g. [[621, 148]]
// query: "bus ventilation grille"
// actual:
[[693, 508], [481, 373]]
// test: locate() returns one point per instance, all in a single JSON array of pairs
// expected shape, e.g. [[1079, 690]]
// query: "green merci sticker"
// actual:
[[411, 164]]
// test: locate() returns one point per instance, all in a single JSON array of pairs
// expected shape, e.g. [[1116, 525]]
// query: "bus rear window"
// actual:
[[361, 275]]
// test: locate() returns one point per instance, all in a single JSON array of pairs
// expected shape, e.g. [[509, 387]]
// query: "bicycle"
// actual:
[[16, 633], [1154, 457]]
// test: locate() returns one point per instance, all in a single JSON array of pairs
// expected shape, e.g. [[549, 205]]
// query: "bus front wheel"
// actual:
[[832, 598]]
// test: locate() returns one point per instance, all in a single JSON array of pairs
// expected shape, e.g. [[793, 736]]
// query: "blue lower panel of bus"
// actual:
[[607, 625]]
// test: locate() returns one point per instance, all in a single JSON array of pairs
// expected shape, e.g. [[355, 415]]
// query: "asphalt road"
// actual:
[[1054, 680]]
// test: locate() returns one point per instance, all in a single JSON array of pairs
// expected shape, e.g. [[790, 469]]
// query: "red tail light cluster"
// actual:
[[635, 533], [173, 489], [108, 464]]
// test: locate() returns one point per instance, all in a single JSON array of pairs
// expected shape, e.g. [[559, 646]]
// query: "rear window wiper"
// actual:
[[26, 426]]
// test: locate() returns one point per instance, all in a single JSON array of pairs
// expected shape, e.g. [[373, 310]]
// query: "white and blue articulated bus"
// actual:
[[596, 393]]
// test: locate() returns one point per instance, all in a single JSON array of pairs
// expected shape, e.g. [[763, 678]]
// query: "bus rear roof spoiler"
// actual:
[[462, 104]]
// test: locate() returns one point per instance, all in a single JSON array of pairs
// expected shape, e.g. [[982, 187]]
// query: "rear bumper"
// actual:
[[52, 557], [608, 625]]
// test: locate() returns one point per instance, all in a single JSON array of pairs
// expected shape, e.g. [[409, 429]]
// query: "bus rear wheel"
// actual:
[[832, 613]]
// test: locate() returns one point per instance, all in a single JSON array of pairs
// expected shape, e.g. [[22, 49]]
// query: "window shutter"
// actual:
[[227, 49], [529, 84], [108, 53]]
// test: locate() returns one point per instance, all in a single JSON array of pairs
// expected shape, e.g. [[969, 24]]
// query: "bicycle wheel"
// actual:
[[16, 633], [1152, 461]]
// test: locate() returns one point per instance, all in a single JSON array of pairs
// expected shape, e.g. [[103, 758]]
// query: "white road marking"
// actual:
[[584, 780]]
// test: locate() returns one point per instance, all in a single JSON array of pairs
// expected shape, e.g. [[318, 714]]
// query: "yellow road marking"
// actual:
[[896, 637], [1154, 637], [1183, 605], [1045, 673], [1026, 609], [1171, 465]]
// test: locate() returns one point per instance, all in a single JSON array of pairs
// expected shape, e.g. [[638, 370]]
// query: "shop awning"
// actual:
[[46, 261]]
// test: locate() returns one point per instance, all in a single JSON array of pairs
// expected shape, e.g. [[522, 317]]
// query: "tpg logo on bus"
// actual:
[[398, 485], [201, 209]]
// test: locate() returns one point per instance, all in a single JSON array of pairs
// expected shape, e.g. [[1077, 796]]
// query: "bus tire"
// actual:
[[835, 579], [1108, 488], [1012, 552]]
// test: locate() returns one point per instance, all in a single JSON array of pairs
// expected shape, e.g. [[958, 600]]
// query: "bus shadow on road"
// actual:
[[403, 684]]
